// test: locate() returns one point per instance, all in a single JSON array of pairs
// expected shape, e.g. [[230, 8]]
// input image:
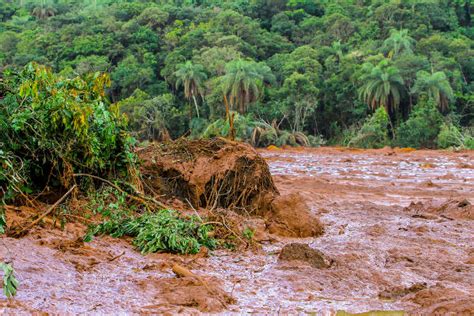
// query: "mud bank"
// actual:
[[398, 236]]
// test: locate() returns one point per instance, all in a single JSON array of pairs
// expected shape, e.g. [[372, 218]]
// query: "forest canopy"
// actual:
[[360, 73]]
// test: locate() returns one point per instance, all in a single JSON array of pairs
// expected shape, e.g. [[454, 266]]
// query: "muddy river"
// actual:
[[399, 230]]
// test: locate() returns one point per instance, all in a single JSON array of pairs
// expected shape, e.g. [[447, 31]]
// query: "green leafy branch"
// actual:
[[10, 283]]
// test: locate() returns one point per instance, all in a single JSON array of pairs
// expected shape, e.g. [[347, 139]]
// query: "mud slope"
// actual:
[[380, 250]]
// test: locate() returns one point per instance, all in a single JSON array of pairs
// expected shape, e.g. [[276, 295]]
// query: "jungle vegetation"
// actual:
[[365, 73]]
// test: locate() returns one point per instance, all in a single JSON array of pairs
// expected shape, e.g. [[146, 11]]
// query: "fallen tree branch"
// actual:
[[183, 272], [50, 209], [116, 257]]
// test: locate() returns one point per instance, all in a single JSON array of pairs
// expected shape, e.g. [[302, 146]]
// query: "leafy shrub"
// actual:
[[422, 127], [10, 283], [449, 136], [346, 135], [316, 141], [374, 132], [469, 144], [53, 127]]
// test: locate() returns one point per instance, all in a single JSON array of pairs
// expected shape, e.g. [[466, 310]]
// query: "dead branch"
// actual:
[[25, 230]]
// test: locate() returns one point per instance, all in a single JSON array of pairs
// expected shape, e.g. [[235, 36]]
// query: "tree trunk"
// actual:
[[195, 104], [230, 118]]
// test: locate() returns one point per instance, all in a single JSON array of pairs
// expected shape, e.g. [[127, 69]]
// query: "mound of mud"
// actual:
[[191, 292], [221, 174], [439, 300], [290, 216], [209, 174], [303, 252], [451, 209]]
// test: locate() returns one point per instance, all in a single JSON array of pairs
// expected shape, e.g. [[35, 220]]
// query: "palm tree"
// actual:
[[244, 81], [398, 42], [383, 86], [435, 86], [336, 48], [191, 77], [43, 11]]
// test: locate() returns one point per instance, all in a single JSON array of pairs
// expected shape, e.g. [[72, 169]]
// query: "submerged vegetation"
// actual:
[[316, 68]]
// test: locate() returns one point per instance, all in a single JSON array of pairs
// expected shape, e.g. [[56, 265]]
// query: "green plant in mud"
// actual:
[[248, 233], [161, 231], [10, 283]]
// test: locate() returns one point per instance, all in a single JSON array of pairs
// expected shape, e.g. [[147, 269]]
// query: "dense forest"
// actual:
[[362, 73]]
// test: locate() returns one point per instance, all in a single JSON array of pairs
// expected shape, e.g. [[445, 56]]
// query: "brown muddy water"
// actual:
[[399, 231]]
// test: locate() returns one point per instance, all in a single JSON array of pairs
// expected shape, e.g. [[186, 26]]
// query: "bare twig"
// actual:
[[194, 210], [116, 257]]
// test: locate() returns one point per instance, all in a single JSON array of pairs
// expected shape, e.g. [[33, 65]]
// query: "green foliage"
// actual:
[[53, 127], [244, 81], [301, 99], [160, 231], [422, 127], [3, 220], [436, 86], [382, 86], [163, 231], [399, 42], [10, 283], [330, 62], [248, 234], [451, 136], [374, 131]]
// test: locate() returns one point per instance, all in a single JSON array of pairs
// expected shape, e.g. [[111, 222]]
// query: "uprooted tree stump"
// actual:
[[224, 174], [209, 173]]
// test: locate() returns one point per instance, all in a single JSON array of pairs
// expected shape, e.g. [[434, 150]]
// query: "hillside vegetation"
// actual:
[[297, 72]]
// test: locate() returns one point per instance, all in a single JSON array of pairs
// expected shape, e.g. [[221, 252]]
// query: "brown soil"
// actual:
[[290, 216], [304, 253], [219, 173], [450, 209], [209, 174], [387, 255]]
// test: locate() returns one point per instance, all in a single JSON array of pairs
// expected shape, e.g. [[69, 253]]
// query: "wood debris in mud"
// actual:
[[210, 299]]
